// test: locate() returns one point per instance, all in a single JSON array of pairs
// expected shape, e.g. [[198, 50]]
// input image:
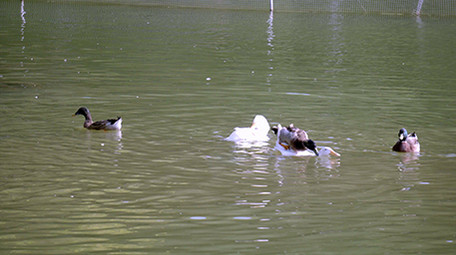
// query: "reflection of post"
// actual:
[[336, 43], [270, 32], [418, 8], [23, 20]]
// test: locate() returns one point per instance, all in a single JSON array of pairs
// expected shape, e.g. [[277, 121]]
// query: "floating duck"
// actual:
[[407, 142], [286, 148], [295, 139], [109, 124], [257, 132], [322, 151]]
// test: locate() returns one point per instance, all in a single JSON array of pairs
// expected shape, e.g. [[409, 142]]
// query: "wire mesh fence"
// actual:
[[394, 7]]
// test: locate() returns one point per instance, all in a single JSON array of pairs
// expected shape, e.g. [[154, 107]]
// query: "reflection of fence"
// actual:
[[398, 7]]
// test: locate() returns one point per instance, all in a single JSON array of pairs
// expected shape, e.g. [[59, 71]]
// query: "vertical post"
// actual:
[[418, 8], [271, 5]]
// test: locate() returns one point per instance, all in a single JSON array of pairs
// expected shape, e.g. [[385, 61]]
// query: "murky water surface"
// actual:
[[182, 79]]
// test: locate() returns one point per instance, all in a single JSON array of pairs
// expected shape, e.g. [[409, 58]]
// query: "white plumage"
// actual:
[[257, 132]]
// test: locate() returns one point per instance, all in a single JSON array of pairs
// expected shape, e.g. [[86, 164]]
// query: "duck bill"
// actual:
[[316, 152], [332, 152]]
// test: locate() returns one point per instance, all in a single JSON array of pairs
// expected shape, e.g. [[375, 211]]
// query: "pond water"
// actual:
[[182, 79]]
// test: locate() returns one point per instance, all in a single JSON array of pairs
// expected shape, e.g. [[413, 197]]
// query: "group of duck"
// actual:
[[291, 141]]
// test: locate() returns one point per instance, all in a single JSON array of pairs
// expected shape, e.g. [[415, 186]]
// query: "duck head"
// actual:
[[309, 144], [82, 111], [326, 151], [402, 134]]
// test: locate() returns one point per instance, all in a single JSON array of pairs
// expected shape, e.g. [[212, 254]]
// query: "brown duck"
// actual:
[[407, 142], [294, 138], [109, 124]]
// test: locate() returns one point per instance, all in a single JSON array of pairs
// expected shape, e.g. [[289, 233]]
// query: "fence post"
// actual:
[[271, 5]]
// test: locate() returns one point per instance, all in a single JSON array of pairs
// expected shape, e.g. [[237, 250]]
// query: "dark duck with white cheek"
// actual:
[[407, 142]]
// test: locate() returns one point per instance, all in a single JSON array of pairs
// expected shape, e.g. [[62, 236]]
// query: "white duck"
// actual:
[[257, 132]]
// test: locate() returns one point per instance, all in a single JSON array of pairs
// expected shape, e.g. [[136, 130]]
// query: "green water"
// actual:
[[182, 79]]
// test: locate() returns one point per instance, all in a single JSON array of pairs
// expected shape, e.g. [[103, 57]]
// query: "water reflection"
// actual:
[[257, 154], [327, 162], [420, 39], [419, 22], [104, 139], [408, 167], [243, 146], [254, 179], [23, 21], [408, 158], [324, 168], [254, 204], [115, 135], [22, 29], [336, 42], [270, 32]]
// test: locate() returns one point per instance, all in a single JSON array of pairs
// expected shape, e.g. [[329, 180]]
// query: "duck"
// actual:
[[286, 150], [323, 151], [407, 142], [257, 132], [326, 151], [109, 124], [295, 139]]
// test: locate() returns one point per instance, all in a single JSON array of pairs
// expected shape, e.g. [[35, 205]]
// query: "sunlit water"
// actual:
[[182, 79]]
